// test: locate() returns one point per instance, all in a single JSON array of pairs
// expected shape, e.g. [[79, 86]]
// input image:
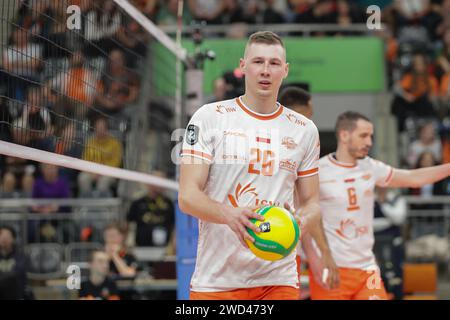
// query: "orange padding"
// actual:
[[419, 277]]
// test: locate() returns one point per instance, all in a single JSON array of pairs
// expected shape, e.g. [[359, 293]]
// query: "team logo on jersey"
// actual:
[[288, 164], [293, 118], [222, 109], [192, 134], [366, 176], [289, 143], [349, 230], [242, 192]]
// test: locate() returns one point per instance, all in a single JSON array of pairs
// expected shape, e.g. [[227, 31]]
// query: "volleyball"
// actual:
[[279, 234]]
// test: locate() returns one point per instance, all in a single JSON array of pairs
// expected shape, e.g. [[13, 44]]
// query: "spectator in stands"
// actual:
[[206, 10], [23, 172], [428, 141], [99, 286], [102, 22], [57, 45], [168, 12], [152, 217], [443, 59], [50, 185], [35, 122], [445, 14], [131, 36], [33, 15], [104, 149], [219, 90], [347, 14], [322, 12], [77, 83], [427, 159], [13, 266], [147, 7], [415, 93], [298, 100], [8, 187], [389, 217], [416, 20], [270, 15], [239, 12], [22, 61], [118, 86], [443, 73], [122, 263]]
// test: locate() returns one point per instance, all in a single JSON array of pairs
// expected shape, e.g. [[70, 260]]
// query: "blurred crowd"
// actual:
[[68, 92]]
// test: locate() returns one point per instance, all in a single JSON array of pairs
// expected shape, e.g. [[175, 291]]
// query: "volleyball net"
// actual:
[[93, 86]]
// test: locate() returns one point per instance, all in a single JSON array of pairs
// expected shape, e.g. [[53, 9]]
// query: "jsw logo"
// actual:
[[260, 202]]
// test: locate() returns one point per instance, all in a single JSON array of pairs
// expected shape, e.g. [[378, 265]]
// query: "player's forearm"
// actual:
[[308, 247], [317, 233], [420, 177], [196, 203], [310, 216]]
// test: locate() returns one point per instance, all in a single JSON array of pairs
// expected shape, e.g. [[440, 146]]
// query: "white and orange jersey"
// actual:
[[347, 204], [255, 159]]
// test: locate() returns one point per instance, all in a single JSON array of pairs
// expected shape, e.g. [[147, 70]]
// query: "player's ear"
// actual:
[[242, 65], [344, 135], [286, 70]]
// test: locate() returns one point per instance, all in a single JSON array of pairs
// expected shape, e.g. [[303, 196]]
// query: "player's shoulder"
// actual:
[[371, 162], [213, 109], [297, 120], [324, 161]]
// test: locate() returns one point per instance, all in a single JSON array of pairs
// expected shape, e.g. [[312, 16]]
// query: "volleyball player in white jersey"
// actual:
[[239, 154], [347, 181]]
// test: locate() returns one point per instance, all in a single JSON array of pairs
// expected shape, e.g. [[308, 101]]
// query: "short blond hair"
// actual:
[[265, 37]]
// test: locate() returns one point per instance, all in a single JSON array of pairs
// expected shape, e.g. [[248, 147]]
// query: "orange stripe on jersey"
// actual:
[[304, 173], [265, 140], [259, 116], [349, 180], [196, 153], [344, 165], [353, 208]]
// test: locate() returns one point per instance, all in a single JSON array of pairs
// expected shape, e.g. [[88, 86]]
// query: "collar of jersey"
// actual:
[[257, 115], [338, 163]]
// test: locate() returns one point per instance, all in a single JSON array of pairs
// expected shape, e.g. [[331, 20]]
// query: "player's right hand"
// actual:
[[238, 219]]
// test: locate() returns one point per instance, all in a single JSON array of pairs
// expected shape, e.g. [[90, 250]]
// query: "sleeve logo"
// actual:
[[192, 134]]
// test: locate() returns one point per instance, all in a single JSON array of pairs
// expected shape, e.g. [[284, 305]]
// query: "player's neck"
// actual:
[[260, 105], [343, 156]]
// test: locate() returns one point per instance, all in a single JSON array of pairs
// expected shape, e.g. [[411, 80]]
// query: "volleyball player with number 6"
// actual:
[[347, 181]]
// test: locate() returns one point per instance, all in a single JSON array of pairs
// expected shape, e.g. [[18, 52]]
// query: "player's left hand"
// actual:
[[332, 279]]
